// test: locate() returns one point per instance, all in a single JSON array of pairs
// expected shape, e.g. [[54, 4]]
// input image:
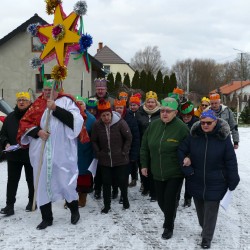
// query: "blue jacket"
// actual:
[[214, 167], [85, 151]]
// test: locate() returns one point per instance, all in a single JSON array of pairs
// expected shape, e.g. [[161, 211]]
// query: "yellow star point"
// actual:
[[70, 36]]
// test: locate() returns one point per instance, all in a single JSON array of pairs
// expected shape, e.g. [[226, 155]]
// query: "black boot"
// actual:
[[8, 210], [126, 204], [105, 210], [47, 216], [75, 215], [187, 203], [97, 194], [205, 244], [115, 192], [167, 234]]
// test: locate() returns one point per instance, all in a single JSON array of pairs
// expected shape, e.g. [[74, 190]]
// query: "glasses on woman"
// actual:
[[22, 100], [208, 123], [204, 105]]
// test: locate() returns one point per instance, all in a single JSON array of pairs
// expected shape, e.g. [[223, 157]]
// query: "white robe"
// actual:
[[59, 172]]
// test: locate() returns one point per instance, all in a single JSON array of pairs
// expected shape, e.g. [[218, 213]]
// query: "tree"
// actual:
[[166, 86], [126, 80], [150, 83], [143, 81], [158, 86], [111, 83], [172, 82], [148, 60], [118, 80], [136, 80]]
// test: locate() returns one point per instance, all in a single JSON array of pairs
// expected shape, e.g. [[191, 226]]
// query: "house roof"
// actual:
[[22, 28], [231, 87], [107, 55]]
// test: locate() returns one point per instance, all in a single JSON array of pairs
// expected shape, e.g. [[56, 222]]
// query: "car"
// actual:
[[5, 109]]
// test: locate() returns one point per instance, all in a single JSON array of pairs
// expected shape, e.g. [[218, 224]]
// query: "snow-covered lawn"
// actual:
[[138, 228]]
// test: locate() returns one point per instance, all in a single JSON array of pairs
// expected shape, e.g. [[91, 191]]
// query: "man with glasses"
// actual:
[[222, 111], [18, 158]]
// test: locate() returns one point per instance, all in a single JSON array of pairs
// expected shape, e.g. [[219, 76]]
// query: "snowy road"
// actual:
[[140, 227]]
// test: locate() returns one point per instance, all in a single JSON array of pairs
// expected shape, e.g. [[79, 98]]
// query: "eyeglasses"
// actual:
[[22, 100], [166, 111], [204, 105], [208, 123]]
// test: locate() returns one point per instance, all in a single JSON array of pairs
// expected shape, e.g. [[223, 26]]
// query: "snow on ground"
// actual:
[[140, 227]]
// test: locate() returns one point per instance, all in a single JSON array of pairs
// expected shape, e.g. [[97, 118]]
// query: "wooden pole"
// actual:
[[41, 153]]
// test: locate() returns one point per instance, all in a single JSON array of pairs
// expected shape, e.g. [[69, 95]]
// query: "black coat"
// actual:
[[214, 167], [135, 145], [8, 135]]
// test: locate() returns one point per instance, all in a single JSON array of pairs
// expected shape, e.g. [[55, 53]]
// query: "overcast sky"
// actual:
[[180, 28]]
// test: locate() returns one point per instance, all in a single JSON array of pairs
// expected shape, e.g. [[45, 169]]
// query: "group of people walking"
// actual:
[[166, 140]]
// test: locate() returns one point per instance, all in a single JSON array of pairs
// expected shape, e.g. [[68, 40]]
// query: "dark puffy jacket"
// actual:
[[214, 167], [135, 145], [8, 135], [111, 143]]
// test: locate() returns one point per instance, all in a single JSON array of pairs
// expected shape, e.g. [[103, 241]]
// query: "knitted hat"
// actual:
[[205, 99], [178, 91], [209, 113], [119, 103], [187, 108], [214, 96], [104, 106], [135, 99], [169, 102], [123, 94], [100, 82], [91, 103], [151, 94], [23, 95]]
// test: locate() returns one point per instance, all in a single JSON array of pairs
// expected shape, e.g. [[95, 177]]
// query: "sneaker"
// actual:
[[105, 210], [8, 210], [29, 207], [187, 203], [167, 234], [205, 244]]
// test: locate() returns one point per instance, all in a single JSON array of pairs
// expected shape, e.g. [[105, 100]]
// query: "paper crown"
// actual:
[[119, 103], [214, 96], [23, 95], [173, 95], [205, 99], [151, 94], [103, 106], [135, 99], [178, 91], [100, 82], [208, 113], [91, 104], [137, 95], [49, 83], [79, 98], [123, 94], [187, 108], [169, 102]]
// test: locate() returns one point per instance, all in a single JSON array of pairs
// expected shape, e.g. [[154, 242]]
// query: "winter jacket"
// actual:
[[226, 114], [159, 148], [8, 135], [143, 119], [135, 145], [198, 111], [85, 150], [191, 122], [213, 166], [111, 142]]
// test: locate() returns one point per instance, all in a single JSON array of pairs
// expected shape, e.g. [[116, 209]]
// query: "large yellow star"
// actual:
[[60, 47]]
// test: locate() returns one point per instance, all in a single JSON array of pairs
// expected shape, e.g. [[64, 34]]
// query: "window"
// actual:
[[36, 45], [39, 82], [106, 69]]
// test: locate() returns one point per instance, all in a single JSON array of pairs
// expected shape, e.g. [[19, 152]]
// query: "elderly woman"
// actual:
[[159, 148], [205, 103], [209, 161], [147, 113], [111, 138]]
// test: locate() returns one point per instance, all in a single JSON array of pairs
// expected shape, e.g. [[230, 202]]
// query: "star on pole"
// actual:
[[61, 47]]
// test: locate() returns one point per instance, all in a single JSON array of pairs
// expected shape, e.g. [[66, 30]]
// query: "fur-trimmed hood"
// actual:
[[221, 130]]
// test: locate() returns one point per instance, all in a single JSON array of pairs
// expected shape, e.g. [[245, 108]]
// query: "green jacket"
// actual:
[[159, 148]]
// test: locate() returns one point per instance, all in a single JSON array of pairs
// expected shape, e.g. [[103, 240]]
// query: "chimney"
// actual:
[[99, 46]]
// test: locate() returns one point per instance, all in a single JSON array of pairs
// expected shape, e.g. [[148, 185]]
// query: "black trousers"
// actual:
[[14, 175], [167, 193], [207, 212], [98, 179], [120, 174], [134, 170]]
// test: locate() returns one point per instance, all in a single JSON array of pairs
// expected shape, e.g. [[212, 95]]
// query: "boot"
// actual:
[[29, 206], [187, 203], [8, 210], [115, 193], [105, 210], [132, 183], [167, 234], [47, 216], [75, 215], [97, 194], [82, 199], [126, 204]]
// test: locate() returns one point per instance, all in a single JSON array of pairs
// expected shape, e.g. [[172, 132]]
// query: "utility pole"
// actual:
[[187, 82]]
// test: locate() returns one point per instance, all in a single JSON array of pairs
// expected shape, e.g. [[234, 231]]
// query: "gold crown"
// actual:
[[24, 95], [119, 103], [151, 94], [205, 99]]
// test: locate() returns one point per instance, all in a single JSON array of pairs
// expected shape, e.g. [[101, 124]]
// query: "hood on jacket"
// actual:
[[115, 118], [221, 130]]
